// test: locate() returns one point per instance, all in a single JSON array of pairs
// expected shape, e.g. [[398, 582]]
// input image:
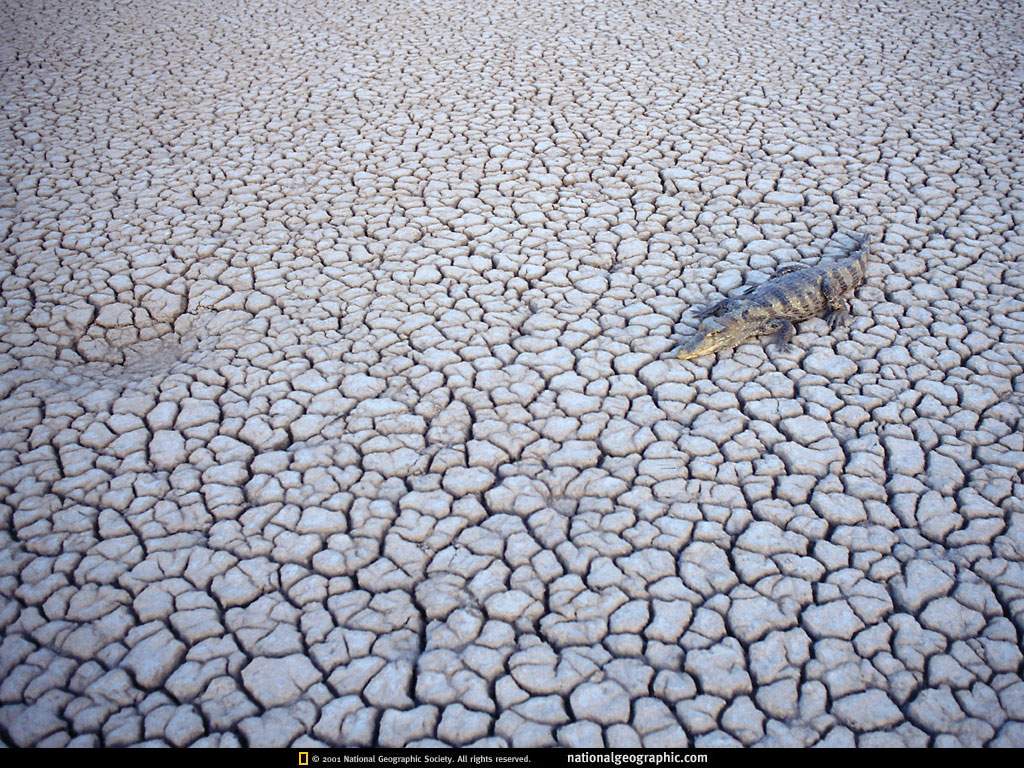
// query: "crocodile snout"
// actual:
[[695, 346]]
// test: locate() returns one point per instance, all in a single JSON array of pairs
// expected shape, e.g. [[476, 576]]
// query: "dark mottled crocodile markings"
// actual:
[[795, 293]]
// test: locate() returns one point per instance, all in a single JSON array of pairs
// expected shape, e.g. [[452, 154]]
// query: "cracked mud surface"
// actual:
[[336, 393]]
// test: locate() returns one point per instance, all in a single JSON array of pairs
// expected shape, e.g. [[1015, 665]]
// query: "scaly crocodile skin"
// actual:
[[796, 293]]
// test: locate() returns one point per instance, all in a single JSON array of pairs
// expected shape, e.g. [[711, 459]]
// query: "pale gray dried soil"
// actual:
[[336, 393]]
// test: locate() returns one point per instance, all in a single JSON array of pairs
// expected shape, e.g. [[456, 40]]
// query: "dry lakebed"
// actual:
[[338, 393]]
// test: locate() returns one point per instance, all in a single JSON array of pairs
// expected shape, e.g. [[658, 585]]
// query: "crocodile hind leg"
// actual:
[[839, 307], [716, 308], [784, 331], [838, 314]]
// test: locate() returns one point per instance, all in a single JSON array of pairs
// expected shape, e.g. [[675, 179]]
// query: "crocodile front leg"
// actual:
[[784, 331], [715, 309], [785, 269]]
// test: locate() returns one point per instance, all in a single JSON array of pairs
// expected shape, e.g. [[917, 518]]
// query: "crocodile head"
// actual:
[[715, 333]]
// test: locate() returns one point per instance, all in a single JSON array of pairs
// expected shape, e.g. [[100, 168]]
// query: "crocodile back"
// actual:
[[794, 296], [805, 293]]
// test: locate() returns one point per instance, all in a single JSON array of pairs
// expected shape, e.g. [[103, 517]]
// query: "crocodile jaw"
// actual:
[[695, 346], [700, 344]]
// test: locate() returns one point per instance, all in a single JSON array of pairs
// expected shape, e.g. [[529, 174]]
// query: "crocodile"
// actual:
[[795, 292]]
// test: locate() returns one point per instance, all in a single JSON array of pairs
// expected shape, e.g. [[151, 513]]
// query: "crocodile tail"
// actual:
[[849, 245], [861, 249], [855, 260]]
